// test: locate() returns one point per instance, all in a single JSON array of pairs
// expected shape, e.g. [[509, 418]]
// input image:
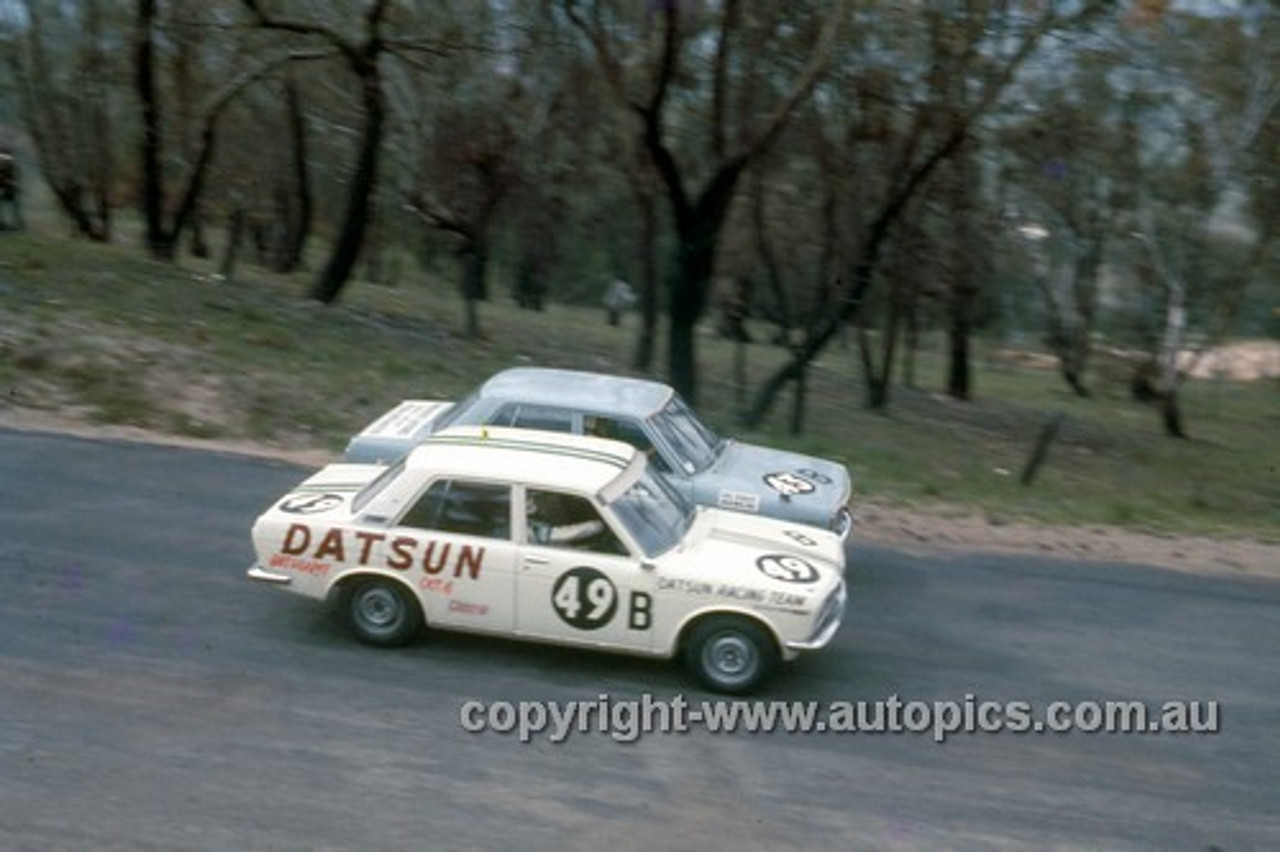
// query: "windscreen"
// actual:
[[695, 444], [654, 513]]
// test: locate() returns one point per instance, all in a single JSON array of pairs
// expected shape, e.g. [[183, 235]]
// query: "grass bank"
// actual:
[[103, 335]]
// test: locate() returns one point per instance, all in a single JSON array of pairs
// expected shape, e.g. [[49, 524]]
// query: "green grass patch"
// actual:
[[105, 331]]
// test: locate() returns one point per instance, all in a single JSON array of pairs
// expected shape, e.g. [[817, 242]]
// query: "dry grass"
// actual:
[[102, 335]]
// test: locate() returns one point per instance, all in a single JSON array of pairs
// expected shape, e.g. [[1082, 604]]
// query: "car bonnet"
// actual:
[[725, 547], [780, 475]]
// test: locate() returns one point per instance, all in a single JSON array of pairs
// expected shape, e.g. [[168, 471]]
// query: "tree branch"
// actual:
[[817, 65], [307, 28]]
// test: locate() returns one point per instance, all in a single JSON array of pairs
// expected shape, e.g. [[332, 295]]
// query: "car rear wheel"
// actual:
[[730, 653], [383, 613]]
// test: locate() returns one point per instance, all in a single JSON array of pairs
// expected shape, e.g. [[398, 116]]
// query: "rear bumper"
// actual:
[[258, 573]]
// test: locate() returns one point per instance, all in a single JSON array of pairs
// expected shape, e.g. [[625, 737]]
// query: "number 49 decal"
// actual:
[[584, 598], [788, 569]]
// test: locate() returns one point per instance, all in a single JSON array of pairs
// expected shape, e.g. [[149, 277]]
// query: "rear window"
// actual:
[[375, 487], [468, 508]]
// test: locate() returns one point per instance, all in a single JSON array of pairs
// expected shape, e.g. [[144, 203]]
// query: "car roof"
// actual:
[[584, 391], [553, 460]]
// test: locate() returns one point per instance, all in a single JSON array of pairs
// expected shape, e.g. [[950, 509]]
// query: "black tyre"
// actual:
[[730, 653], [383, 613]]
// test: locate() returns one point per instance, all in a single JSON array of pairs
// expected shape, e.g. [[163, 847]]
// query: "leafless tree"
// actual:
[[649, 57], [1208, 118], [994, 44], [362, 55], [62, 65]]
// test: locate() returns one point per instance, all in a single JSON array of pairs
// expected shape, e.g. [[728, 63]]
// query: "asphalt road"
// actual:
[[151, 698]]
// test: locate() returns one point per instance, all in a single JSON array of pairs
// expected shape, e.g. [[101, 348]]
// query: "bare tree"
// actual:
[[61, 62], [997, 45], [742, 51], [482, 138], [362, 56], [1207, 117], [469, 165], [1064, 180], [293, 203], [181, 107]]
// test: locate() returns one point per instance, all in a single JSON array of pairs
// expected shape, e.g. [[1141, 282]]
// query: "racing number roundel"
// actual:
[[584, 598], [310, 504], [788, 569], [788, 484]]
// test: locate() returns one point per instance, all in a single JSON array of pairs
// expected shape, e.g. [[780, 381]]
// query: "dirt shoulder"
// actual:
[[960, 530], [943, 531]]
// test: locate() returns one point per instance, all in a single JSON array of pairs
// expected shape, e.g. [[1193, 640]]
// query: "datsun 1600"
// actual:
[[553, 538]]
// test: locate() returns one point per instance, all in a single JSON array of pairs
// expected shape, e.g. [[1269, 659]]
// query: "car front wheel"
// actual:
[[383, 613], [730, 653]]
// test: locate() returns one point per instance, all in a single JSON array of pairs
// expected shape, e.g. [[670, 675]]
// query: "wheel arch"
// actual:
[[693, 619], [342, 585]]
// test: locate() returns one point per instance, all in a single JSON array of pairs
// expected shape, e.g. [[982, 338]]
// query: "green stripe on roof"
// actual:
[[584, 453], [330, 486]]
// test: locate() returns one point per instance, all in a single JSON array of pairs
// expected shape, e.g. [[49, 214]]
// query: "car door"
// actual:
[[577, 581], [455, 543]]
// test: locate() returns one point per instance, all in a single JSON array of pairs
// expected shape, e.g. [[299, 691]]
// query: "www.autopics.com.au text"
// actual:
[[627, 720]]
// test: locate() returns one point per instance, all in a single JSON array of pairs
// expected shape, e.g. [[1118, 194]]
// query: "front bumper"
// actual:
[[261, 575], [828, 622], [842, 524]]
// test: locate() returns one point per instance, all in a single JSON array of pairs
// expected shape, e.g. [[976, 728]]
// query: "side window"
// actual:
[[533, 417], [538, 417], [469, 508], [568, 521], [505, 416], [627, 431]]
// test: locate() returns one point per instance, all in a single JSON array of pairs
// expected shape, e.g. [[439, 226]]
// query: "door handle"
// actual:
[[535, 560]]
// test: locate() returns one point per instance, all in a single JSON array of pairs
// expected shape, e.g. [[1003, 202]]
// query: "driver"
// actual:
[[551, 520]]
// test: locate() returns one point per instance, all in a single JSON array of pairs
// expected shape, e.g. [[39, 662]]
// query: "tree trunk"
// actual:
[[474, 266], [647, 336], [293, 196], [71, 200], [235, 237], [815, 341], [912, 347], [1175, 330], [681, 369], [800, 402], [769, 259], [1171, 415], [959, 372], [876, 380], [158, 242], [966, 243], [699, 228], [199, 244], [337, 271]]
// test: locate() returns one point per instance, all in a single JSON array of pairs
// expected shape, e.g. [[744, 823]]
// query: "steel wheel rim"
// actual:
[[378, 610], [732, 656]]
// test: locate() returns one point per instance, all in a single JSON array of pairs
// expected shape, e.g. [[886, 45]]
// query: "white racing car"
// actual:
[[555, 538]]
